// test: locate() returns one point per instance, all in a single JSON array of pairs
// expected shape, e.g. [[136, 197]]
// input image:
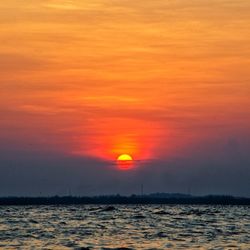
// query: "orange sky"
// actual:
[[100, 78]]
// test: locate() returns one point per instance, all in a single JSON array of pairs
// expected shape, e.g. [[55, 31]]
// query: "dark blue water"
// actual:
[[135, 227]]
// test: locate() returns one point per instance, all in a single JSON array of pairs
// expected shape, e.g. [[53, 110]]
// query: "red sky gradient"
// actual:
[[98, 78]]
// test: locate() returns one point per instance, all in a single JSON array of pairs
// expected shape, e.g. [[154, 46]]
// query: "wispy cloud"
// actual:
[[163, 78]]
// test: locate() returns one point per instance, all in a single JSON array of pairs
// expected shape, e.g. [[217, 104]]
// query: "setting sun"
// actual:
[[125, 162], [124, 157]]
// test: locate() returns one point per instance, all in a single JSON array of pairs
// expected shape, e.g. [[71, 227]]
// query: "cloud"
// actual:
[[16, 62], [204, 172], [78, 75]]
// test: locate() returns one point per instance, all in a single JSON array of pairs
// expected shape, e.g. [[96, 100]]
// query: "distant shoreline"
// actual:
[[168, 199]]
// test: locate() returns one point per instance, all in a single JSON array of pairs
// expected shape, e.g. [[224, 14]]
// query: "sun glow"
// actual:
[[125, 162]]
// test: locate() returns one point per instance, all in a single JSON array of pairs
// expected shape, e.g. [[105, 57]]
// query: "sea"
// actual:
[[125, 227]]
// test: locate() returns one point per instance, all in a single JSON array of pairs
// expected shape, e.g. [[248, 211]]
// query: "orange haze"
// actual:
[[101, 78]]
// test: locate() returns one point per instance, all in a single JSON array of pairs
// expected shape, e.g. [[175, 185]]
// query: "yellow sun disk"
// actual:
[[124, 157]]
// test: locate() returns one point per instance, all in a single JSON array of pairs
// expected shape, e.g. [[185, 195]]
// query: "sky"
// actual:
[[165, 81]]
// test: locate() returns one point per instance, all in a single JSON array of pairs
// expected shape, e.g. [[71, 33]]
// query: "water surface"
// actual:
[[127, 226]]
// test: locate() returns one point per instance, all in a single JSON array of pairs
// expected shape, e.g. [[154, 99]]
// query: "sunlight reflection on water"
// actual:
[[133, 227]]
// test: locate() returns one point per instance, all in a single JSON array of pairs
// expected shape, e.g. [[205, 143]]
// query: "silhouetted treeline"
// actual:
[[133, 199]]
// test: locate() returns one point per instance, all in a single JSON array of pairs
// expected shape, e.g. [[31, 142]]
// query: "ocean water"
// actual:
[[125, 226]]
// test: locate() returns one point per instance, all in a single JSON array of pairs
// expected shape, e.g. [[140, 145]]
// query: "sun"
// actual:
[[124, 157], [125, 162]]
